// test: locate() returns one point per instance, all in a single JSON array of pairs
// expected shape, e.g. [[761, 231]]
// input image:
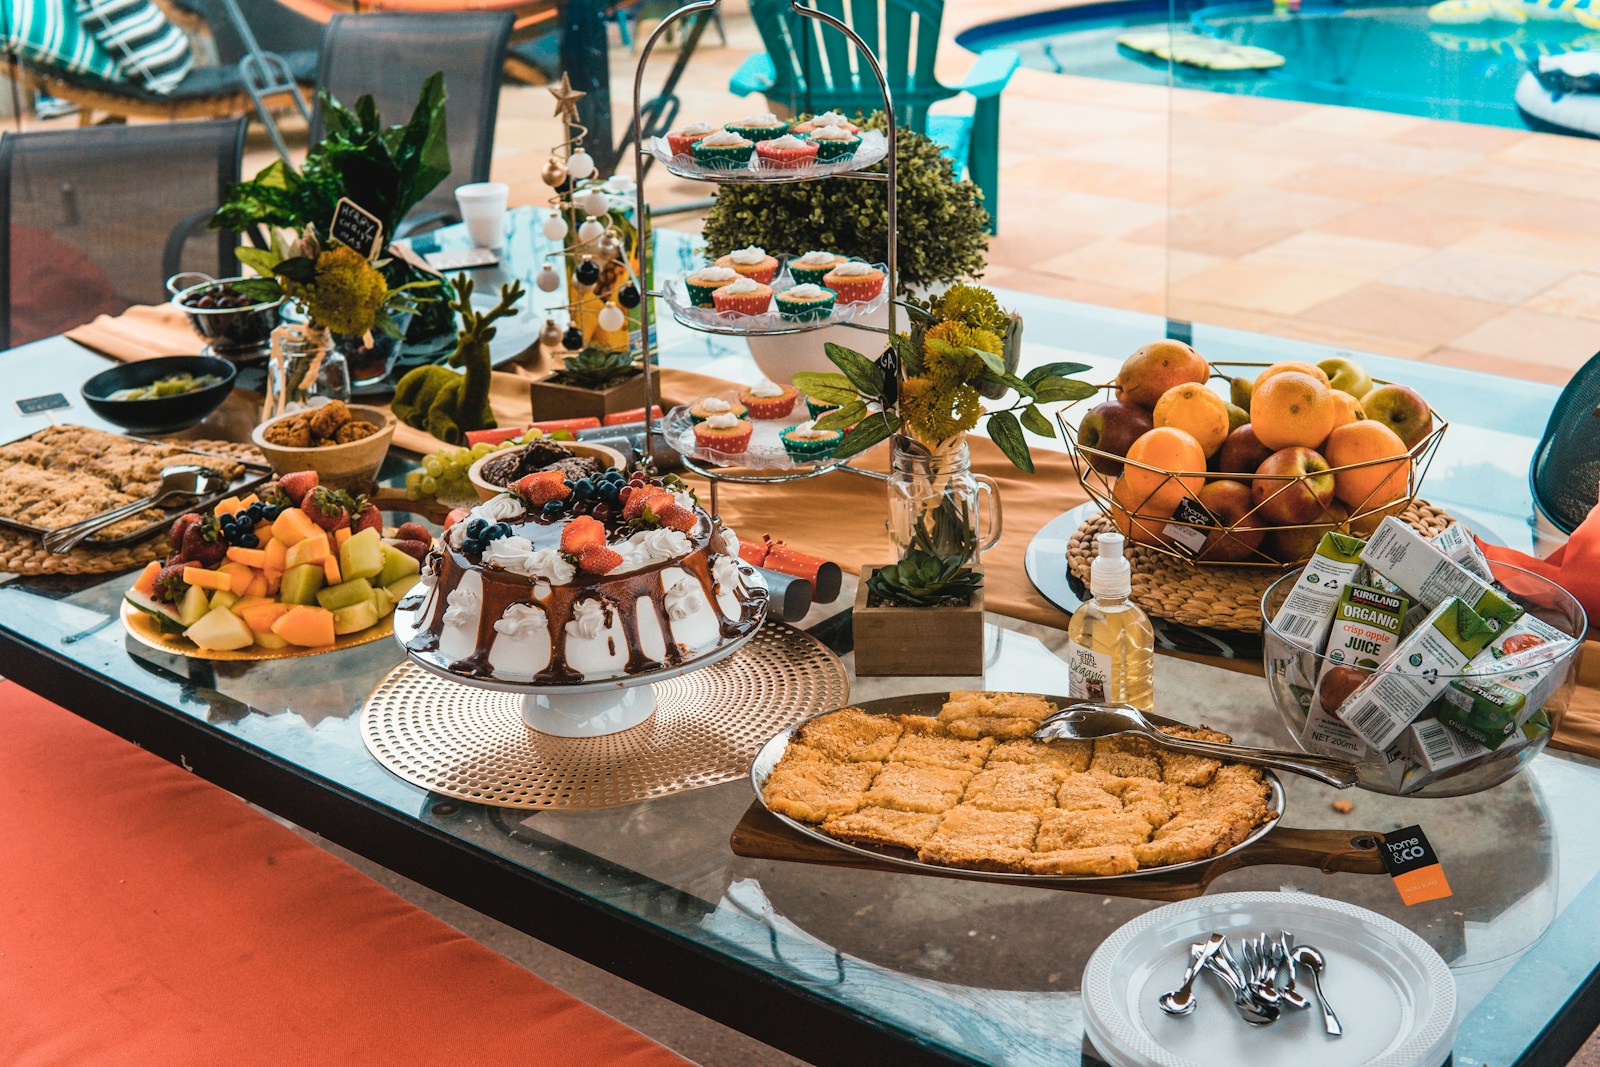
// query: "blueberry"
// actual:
[[476, 527], [553, 508], [502, 529], [250, 540], [608, 493]]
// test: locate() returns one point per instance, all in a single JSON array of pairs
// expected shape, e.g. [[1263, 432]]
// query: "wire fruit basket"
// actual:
[[1165, 511]]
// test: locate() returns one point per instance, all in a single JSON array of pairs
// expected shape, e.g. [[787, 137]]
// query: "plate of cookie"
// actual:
[[956, 782]]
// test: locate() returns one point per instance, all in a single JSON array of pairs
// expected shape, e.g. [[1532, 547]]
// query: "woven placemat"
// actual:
[[21, 552], [1216, 597]]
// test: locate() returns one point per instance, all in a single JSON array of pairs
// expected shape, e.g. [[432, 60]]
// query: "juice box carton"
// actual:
[[1307, 612], [1441, 646], [1530, 639], [1455, 542], [1326, 734], [1424, 573], [1433, 747], [1366, 626], [1491, 711]]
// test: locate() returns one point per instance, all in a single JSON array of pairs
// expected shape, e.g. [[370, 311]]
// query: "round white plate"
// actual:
[[1393, 993]]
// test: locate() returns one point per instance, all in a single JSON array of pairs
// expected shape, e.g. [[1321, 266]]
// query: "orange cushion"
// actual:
[[149, 917]]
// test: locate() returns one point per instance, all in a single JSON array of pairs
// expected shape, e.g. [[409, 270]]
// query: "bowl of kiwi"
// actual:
[[233, 324]]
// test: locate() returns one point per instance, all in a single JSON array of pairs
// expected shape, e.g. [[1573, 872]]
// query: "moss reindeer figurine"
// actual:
[[447, 404]]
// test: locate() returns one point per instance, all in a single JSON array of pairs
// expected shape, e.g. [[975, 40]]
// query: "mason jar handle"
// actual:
[[988, 512], [178, 282]]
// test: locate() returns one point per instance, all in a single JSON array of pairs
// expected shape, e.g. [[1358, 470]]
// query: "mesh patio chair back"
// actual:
[[1566, 467], [390, 56], [276, 28], [96, 219]]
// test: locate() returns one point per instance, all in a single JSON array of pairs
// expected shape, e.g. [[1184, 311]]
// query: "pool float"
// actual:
[[1197, 50], [1563, 93], [1513, 45], [1462, 12]]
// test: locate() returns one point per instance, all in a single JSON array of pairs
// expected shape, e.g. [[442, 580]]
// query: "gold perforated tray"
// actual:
[[472, 744]]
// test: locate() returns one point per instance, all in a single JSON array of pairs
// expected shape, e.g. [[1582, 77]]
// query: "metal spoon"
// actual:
[[1316, 964], [1251, 1010], [1283, 955], [185, 480], [1086, 722], [1181, 1000]]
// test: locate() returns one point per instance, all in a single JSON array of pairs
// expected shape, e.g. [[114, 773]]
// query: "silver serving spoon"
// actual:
[[1314, 962], [184, 480], [1086, 722], [1283, 956], [1181, 1000]]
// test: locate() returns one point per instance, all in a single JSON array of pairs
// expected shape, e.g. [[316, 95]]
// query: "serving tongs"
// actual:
[[1090, 721]]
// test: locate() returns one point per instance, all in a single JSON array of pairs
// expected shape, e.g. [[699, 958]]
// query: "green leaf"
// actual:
[[824, 387], [1007, 434], [862, 372], [260, 290], [844, 418], [910, 354], [867, 433], [1054, 370], [995, 362], [302, 269], [1034, 419], [1051, 390], [1005, 381], [258, 259]]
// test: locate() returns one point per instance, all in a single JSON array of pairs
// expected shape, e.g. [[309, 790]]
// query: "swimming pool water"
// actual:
[[1390, 58]]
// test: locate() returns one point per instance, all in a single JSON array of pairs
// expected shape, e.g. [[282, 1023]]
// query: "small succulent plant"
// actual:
[[924, 580], [596, 368]]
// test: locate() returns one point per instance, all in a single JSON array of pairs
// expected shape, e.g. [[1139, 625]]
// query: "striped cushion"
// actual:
[[45, 32], [149, 50]]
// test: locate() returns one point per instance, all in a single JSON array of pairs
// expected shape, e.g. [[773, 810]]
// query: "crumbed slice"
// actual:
[[1061, 830], [812, 789], [1014, 787], [851, 734], [1185, 839], [1150, 800], [1126, 757], [919, 744], [1088, 792], [882, 826], [917, 787], [1180, 768], [1237, 793], [982, 840], [1104, 860], [1070, 756], [1006, 716]]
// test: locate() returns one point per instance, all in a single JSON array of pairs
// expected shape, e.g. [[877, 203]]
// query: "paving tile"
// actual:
[[1332, 253], [1265, 287], [1340, 336], [1209, 234], [1487, 364], [1578, 250], [1409, 158], [1127, 264], [1472, 199], [1535, 177], [1356, 121], [1352, 183], [1464, 135], [1531, 337], [1419, 226], [1211, 314], [1492, 278], [1403, 314], [1575, 296], [1552, 148], [1100, 179]]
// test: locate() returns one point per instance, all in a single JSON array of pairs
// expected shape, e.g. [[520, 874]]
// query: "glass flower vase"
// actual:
[[937, 504], [303, 365]]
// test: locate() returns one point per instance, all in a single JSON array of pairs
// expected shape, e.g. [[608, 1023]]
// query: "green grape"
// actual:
[[413, 493], [481, 449], [433, 464], [429, 485], [413, 479]]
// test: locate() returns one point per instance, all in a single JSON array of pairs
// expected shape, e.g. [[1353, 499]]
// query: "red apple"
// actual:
[[1402, 409], [1292, 544], [1112, 427], [1241, 452], [1298, 488], [1337, 683], [1231, 503]]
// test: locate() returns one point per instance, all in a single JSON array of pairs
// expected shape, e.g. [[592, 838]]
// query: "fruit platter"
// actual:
[[297, 570], [1248, 463]]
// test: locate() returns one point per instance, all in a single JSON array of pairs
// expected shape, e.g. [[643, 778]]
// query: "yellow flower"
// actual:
[[937, 410], [346, 293], [972, 305]]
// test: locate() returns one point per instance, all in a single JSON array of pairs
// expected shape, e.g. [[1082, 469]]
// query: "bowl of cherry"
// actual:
[[232, 323]]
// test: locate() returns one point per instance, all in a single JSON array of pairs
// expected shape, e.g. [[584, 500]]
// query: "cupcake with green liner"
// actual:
[[787, 152], [681, 142], [762, 127], [708, 406], [723, 150], [834, 143], [769, 400], [816, 408], [806, 303], [805, 442], [726, 433], [854, 281], [811, 267], [752, 262], [827, 118], [707, 280], [744, 296]]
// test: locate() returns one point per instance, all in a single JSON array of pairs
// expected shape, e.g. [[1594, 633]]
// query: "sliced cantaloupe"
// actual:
[[260, 615], [270, 640], [250, 557], [147, 578], [277, 554], [258, 585], [274, 579], [340, 536], [306, 626], [293, 526], [230, 506], [312, 549], [213, 580], [246, 501], [239, 575], [330, 568]]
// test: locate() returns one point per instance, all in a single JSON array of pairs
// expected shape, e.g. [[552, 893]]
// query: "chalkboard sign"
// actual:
[[38, 405], [356, 228]]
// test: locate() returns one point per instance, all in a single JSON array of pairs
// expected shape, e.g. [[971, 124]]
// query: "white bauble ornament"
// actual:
[[594, 201], [607, 247], [611, 318], [548, 278], [590, 229], [555, 227], [580, 165]]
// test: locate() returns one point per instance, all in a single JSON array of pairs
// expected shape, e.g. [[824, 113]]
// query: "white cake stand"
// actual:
[[584, 709]]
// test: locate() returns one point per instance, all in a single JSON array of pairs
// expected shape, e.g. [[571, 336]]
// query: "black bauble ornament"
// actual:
[[588, 272], [628, 296], [572, 340]]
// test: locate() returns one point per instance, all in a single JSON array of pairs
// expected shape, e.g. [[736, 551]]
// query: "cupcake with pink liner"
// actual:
[[707, 280], [752, 262], [726, 433], [812, 266], [834, 143], [827, 118], [681, 142], [769, 400], [744, 296], [855, 282], [787, 152]]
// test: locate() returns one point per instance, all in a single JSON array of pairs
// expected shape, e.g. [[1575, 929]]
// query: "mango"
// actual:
[[277, 555], [313, 549], [239, 575], [146, 583], [330, 569], [259, 615]]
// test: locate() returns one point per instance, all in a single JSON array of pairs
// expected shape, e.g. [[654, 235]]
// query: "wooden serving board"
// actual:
[[761, 835]]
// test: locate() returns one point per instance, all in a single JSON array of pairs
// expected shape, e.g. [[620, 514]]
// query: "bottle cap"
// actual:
[[1111, 574]]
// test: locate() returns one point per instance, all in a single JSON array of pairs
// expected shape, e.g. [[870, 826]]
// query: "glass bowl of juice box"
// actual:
[[1436, 671]]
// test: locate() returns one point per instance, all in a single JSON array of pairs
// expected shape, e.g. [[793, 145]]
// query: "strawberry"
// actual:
[[170, 585], [295, 486], [203, 544], [328, 508], [415, 549], [676, 517], [415, 531], [581, 534], [653, 499], [541, 487], [451, 519], [369, 518], [598, 559], [179, 525]]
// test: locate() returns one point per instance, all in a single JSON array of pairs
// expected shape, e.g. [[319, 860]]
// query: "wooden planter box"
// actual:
[[553, 400], [917, 641]]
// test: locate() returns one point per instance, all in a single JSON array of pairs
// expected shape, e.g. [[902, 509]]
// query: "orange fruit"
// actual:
[[1348, 409], [1169, 451], [1288, 365], [1146, 528], [1197, 410], [1292, 408], [1372, 484]]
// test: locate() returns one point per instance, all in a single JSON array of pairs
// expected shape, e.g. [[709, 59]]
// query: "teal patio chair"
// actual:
[[810, 67]]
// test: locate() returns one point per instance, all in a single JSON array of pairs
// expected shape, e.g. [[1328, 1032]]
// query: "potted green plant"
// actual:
[[596, 382], [920, 616]]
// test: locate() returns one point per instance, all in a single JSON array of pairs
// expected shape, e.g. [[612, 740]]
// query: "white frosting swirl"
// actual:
[[715, 405], [726, 573], [662, 544], [728, 541], [508, 553], [462, 607], [502, 508], [429, 577], [807, 291], [722, 139], [682, 599], [521, 620], [815, 259], [684, 500], [743, 285], [854, 269], [726, 421], [829, 118], [696, 129], [766, 118], [549, 564], [752, 256], [766, 388], [807, 431], [588, 619], [714, 274], [829, 133], [787, 143]]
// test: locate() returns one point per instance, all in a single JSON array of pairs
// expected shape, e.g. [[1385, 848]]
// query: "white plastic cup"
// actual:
[[483, 209]]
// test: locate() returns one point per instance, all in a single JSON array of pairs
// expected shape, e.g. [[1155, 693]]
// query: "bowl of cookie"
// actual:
[[344, 443]]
